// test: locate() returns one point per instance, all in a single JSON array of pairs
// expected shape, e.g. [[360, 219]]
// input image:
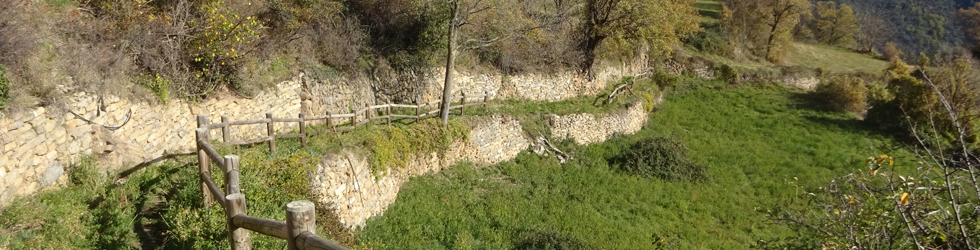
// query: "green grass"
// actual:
[[833, 59], [754, 141]]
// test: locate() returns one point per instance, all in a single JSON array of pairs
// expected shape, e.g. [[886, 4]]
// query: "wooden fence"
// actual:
[[299, 229]]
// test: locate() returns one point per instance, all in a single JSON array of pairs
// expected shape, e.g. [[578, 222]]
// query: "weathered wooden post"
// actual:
[[330, 121], [417, 108], [486, 99], [353, 117], [232, 175], [368, 115], [462, 104], [388, 111], [300, 217], [238, 237], [204, 163], [302, 129], [225, 130], [271, 129]]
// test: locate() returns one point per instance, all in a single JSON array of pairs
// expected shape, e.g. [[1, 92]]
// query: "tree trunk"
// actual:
[[450, 62]]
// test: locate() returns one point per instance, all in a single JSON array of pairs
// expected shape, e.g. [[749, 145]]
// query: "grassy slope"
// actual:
[[754, 140], [833, 59]]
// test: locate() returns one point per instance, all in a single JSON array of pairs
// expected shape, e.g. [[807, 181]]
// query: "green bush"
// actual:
[[396, 146], [4, 87], [661, 158], [157, 84], [844, 93]]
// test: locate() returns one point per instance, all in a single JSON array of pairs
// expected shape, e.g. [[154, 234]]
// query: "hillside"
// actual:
[[600, 124]]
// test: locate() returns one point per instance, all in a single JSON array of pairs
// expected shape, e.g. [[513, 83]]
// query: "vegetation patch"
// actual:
[[661, 158], [396, 146], [752, 142], [844, 93]]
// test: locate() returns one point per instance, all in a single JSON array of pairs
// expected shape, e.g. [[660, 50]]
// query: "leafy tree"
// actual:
[[835, 25], [765, 27], [971, 25], [971, 20], [635, 24]]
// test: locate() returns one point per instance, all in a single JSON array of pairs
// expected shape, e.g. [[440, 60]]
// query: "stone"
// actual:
[[54, 171]]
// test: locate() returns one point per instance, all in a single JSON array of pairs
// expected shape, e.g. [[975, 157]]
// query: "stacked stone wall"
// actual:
[[345, 182], [40, 144]]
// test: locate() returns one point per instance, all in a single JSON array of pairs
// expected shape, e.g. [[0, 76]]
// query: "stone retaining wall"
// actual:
[[38, 145], [344, 181]]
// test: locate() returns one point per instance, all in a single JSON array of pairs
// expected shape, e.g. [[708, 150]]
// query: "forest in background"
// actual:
[[194, 49]]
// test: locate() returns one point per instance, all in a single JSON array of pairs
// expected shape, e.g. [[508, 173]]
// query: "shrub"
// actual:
[[157, 84], [844, 93], [661, 158]]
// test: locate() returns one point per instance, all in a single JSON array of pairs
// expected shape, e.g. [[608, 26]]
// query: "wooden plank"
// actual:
[[402, 106], [342, 116], [362, 110], [404, 116], [287, 136], [249, 122], [263, 226], [287, 120], [213, 188], [379, 118], [309, 241], [432, 112], [432, 103], [317, 118], [215, 157], [380, 106], [217, 125], [363, 122]]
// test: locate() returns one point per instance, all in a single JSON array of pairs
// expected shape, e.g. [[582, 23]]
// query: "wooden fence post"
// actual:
[[353, 117], [300, 217], [232, 175], [204, 163], [368, 115], [238, 237], [272, 132], [388, 111], [462, 104], [417, 108], [486, 99], [302, 129], [330, 121], [225, 130]]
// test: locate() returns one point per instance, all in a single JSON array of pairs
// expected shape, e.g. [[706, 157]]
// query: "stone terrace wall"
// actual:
[[39, 144], [344, 181], [537, 87], [586, 129]]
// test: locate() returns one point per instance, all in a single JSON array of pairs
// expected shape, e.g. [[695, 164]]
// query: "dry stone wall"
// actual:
[[586, 129], [38, 145], [344, 181]]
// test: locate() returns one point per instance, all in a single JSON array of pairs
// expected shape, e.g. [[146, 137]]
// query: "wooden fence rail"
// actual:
[[299, 229]]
